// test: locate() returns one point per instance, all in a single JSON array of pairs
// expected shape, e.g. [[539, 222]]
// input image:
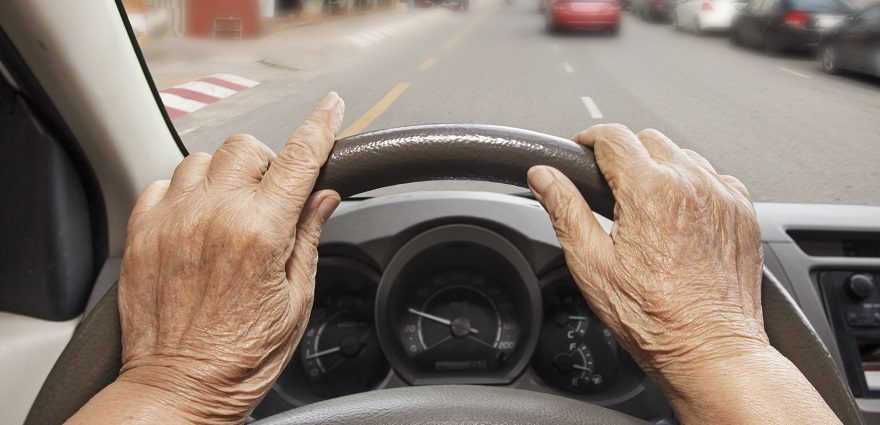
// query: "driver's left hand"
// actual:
[[218, 274]]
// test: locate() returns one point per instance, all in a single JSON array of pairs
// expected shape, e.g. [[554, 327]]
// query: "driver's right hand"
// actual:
[[678, 278]]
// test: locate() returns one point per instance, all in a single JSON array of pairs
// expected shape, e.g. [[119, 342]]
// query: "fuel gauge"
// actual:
[[576, 352]]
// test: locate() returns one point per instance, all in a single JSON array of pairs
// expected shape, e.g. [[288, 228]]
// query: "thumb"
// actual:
[[586, 245], [303, 262]]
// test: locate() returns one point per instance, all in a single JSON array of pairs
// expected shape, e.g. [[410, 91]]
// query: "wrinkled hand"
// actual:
[[218, 274], [678, 279]]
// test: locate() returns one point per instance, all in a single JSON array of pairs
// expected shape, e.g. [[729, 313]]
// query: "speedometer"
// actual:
[[458, 304], [459, 321]]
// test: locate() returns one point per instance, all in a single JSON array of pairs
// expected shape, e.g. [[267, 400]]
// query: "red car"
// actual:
[[594, 14]]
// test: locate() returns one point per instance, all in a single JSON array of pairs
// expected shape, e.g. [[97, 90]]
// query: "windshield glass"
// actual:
[[790, 131]]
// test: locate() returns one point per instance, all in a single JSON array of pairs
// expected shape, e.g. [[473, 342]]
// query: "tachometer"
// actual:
[[459, 321], [339, 350]]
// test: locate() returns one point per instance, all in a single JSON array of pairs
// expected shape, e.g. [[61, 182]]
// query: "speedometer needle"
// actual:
[[323, 353], [439, 320]]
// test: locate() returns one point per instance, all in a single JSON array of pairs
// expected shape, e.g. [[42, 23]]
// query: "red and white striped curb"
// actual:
[[194, 95]]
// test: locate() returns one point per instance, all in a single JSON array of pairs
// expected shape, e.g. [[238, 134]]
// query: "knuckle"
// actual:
[[316, 128], [300, 157], [247, 148], [615, 131], [239, 141], [616, 136], [651, 133], [155, 186], [198, 156], [191, 160]]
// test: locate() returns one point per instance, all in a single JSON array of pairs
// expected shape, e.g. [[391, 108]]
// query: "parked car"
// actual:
[[658, 10], [705, 15], [854, 45], [592, 14], [776, 25]]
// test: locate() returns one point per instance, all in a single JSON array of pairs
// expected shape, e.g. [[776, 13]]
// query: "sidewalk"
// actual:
[[285, 52]]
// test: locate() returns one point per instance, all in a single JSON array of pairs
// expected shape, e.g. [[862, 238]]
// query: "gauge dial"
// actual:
[[339, 353], [459, 321], [576, 352]]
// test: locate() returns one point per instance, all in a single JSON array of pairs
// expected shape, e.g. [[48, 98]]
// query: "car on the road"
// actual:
[[653, 10], [776, 25], [854, 45], [705, 15], [583, 14]]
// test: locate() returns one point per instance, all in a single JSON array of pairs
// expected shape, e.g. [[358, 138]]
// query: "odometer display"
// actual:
[[459, 321]]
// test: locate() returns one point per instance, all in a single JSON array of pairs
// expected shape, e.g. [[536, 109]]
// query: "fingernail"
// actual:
[[336, 116], [327, 206], [540, 178], [328, 102]]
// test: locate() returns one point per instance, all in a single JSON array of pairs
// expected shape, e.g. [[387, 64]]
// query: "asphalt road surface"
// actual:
[[790, 132]]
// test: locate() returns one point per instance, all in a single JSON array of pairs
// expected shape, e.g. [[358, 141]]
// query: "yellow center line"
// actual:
[[427, 63], [455, 39], [461, 34], [375, 111]]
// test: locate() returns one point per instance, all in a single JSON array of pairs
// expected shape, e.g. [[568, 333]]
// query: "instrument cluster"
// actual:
[[456, 304]]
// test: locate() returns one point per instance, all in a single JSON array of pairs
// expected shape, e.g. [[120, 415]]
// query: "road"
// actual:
[[790, 132]]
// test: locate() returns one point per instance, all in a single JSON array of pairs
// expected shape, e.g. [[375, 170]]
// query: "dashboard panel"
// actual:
[[417, 291], [431, 288]]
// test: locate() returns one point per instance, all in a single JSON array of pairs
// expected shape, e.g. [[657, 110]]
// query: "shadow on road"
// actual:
[[863, 81], [581, 33]]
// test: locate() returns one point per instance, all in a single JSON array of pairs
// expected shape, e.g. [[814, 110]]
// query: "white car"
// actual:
[[705, 15]]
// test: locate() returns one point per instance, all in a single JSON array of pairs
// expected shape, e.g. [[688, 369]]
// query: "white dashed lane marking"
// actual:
[[567, 67], [793, 72], [592, 108]]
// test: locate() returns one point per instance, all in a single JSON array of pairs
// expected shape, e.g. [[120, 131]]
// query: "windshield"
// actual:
[[790, 131]]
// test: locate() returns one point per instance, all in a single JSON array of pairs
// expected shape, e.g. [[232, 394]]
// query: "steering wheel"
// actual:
[[373, 160]]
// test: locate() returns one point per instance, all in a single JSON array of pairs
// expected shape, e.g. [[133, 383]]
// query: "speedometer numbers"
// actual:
[[576, 352], [459, 321]]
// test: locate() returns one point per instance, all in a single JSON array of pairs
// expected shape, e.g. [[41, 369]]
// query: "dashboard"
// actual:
[[430, 288], [453, 288]]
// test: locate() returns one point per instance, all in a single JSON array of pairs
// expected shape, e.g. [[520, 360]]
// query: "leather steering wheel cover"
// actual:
[[459, 152], [369, 161], [452, 404]]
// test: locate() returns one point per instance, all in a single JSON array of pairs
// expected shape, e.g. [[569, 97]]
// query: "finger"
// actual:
[[292, 175], [700, 161], [619, 153], [734, 183], [303, 261], [660, 147], [189, 173], [241, 160], [151, 196], [585, 243]]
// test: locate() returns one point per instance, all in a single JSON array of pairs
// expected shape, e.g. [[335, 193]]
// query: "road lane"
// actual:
[[790, 132], [788, 138]]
